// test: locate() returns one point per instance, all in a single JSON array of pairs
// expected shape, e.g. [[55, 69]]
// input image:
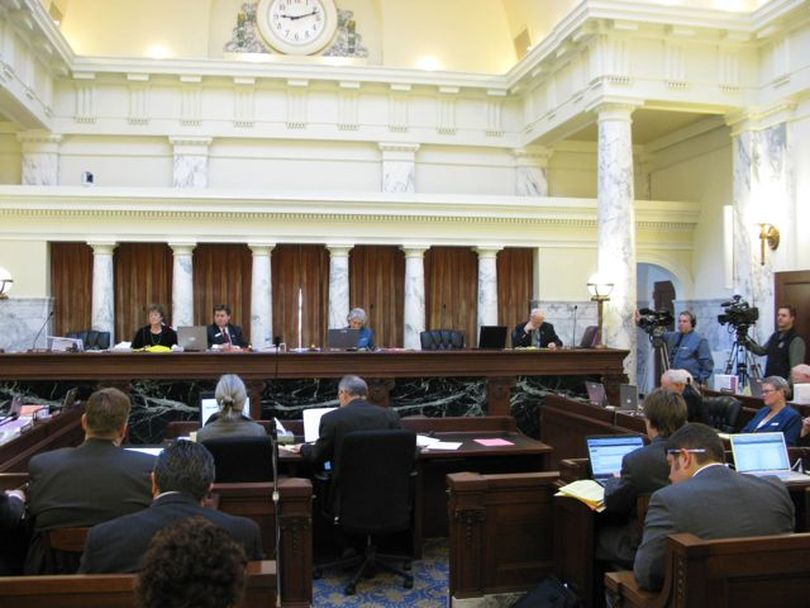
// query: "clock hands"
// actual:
[[296, 17]]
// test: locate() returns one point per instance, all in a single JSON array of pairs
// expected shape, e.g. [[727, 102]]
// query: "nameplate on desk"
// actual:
[[444, 445]]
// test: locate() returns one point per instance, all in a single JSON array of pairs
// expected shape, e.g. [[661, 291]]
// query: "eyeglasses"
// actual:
[[676, 451], [768, 390]]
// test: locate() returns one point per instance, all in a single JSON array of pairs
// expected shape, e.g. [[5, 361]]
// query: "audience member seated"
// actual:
[[536, 332], [231, 396], [644, 471], [680, 381], [92, 483], [776, 416], [193, 563], [156, 333], [183, 477], [14, 531], [800, 374], [708, 500], [358, 319]]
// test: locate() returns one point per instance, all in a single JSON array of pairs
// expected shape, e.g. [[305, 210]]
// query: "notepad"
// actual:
[[493, 443], [423, 441], [586, 491], [444, 445]]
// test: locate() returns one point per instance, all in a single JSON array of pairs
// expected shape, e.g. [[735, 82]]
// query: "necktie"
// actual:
[[227, 335]]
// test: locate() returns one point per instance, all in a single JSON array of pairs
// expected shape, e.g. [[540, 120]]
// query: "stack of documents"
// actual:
[[586, 491]]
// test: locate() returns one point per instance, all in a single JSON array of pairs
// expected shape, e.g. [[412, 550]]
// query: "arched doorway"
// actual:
[[657, 288]]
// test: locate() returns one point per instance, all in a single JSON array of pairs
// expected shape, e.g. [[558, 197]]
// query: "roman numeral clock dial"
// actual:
[[297, 27]]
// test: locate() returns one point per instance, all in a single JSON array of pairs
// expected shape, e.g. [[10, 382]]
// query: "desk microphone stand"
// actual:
[[276, 499]]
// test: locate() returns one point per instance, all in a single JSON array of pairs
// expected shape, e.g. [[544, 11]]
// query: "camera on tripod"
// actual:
[[739, 314], [654, 322]]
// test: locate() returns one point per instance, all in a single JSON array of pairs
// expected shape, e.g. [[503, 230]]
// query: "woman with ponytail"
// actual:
[[231, 421]]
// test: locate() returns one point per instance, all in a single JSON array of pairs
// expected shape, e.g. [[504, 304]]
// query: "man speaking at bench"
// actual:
[[708, 500]]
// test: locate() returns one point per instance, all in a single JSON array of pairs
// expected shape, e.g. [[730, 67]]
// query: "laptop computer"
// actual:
[[209, 407], [589, 337], [763, 454], [492, 336], [596, 393], [193, 337], [312, 422], [606, 453], [344, 338], [628, 397]]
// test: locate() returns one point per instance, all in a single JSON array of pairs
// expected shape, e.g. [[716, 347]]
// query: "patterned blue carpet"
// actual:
[[386, 591]]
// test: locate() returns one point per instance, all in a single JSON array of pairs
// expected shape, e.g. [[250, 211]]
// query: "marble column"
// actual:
[[616, 227], [261, 296], [190, 162], [338, 284], [398, 167], [414, 317], [40, 158], [183, 284], [761, 191], [531, 171], [487, 285], [103, 311]]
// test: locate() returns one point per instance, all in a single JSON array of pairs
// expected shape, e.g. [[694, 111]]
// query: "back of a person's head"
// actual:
[[697, 436], [353, 385], [192, 563], [187, 467], [106, 412], [665, 410], [676, 376], [231, 395]]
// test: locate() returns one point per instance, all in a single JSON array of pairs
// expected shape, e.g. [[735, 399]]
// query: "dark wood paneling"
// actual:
[[515, 276], [304, 267], [451, 290], [71, 286], [377, 280], [794, 288], [222, 275], [143, 276]]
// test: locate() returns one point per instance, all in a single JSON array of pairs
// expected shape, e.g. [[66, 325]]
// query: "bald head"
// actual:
[[800, 374]]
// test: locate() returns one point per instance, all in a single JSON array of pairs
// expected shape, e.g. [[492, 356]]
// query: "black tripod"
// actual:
[[661, 356], [741, 362]]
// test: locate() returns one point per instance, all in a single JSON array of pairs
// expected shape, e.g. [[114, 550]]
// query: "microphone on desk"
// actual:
[[273, 432], [574, 331], [39, 333], [277, 345]]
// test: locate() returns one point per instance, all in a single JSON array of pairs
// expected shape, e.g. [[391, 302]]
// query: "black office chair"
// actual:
[[722, 412], [372, 495], [242, 459], [442, 339], [92, 339]]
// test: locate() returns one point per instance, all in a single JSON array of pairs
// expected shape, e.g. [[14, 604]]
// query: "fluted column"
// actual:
[[103, 311], [487, 285], [40, 158], [338, 283], [531, 171], [183, 284], [261, 296], [616, 226], [414, 317]]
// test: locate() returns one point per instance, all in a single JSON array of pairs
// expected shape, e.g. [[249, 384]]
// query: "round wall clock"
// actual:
[[297, 27]]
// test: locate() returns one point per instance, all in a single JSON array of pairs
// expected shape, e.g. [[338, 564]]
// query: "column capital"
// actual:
[[39, 137], [414, 251], [619, 109], [398, 151], [103, 247], [534, 157], [487, 251], [190, 145], [261, 249], [339, 250], [182, 247]]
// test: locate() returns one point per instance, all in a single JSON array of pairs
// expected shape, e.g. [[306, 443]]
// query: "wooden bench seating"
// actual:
[[114, 590], [761, 572]]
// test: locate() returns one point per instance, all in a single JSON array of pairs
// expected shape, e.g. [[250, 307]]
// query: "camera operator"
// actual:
[[785, 348], [687, 349]]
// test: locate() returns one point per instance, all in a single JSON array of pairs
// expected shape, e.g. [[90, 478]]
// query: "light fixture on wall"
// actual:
[[5, 283], [600, 290], [768, 233]]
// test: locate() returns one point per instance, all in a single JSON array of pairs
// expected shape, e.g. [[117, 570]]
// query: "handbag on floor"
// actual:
[[550, 593]]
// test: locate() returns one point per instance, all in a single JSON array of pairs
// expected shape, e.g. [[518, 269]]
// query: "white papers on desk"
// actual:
[[312, 422], [444, 445], [423, 441], [280, 427]]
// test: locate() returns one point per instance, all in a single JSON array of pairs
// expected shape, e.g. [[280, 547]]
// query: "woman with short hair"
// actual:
[[777, 415], [156, 333], [358, 319]]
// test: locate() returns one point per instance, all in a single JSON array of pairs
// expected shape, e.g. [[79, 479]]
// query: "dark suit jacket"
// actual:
[[547, 336], [119, 545], [215, 336], [644, 471], [14, 532], [715, 503]]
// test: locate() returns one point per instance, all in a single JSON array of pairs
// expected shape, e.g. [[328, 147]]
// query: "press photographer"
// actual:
[[687, 349], [785, 348]]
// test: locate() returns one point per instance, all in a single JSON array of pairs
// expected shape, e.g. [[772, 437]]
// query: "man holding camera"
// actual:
[[687, 349], [785, 348]]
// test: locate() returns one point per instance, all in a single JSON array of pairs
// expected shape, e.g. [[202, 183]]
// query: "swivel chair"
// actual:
[[242, 459], [371, 496], [722, 412], [442, 339]]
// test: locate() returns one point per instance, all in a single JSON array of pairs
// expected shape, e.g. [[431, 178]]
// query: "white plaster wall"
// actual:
[[572, 170], [564, 272], [116, 161], [29, 265], [10, 159], [450, 170], [799, 150]]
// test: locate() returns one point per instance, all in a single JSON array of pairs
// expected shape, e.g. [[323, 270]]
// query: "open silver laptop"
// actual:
[[194, 337], [606, 453], [342, 339], [628, 397], [763, 454], [596, 393]]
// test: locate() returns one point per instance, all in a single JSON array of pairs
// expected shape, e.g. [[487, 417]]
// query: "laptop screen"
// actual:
[[606, 453], [492, 336], [209, 407], [312, 422], [596, 393], [759, 452], [342, 339]]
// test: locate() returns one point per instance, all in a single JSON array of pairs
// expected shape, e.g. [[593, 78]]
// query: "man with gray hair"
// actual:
[[535, 332], [680, 381]]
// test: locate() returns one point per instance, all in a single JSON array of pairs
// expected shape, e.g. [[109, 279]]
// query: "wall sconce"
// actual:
[[5, 283], [600, 293], [767, 234]]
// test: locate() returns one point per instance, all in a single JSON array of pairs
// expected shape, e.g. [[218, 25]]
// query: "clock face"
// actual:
[[298, 27]]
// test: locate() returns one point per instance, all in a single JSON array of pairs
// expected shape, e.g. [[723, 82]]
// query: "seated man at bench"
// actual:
[[183, 477], [708, 500]]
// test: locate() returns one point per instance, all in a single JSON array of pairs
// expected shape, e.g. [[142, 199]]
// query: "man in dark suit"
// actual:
[[94, 482], [536, 332], [644, 471], [13, 531], [222, 334], [183, 477], [708, 500]]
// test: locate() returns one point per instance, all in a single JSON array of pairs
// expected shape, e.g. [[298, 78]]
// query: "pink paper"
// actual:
[[493, 443]]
